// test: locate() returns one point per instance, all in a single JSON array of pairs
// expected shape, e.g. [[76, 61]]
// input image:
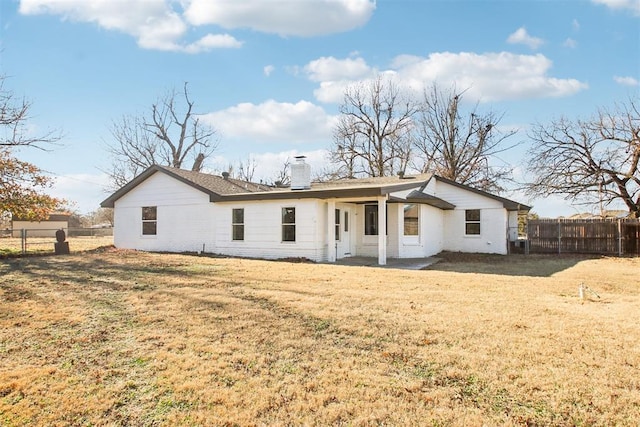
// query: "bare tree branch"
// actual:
[[283, 176], [372, 137], [170, 135], [247, 169], [459, 145], [587, 161], [14, 116]]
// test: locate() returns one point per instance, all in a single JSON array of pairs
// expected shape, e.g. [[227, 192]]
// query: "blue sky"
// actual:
[[269, 74]]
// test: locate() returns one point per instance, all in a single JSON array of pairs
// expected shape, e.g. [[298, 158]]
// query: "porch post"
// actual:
[[331, 231], [382, 230]]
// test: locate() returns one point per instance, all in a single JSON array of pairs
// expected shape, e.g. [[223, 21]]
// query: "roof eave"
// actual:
[[328, 193], [109, 202], [508, 204]]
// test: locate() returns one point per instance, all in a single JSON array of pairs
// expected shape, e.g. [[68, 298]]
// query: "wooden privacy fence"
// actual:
[[586, 236]]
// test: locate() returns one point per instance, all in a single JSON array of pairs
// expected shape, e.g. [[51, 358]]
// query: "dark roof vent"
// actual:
[[225, 175]]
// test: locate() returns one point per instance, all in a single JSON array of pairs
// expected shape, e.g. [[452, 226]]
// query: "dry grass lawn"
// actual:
[[121, 338], [12, 246]]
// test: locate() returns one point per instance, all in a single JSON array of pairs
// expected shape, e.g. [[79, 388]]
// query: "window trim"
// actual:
[[404, 219], [371, 227], [337, 225], [237, 225], [288, 225], [375, 222], [472, 222], [153, 219]]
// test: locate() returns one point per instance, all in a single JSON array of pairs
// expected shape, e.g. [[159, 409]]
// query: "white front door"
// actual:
[[343, 218]]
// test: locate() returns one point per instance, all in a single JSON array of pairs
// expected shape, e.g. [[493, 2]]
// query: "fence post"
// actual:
[[23, 240], [619, 237], [559, 236]]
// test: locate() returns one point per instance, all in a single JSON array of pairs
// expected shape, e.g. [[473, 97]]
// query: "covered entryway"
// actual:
[[341, 243]]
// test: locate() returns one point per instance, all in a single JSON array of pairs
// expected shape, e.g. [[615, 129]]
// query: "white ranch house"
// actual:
[[174, 210]]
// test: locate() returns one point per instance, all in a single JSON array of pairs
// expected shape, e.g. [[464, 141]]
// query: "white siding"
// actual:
[[263, 230], [185, 217], [513, 226], [394, 229], [365, 245], [493, 221], [429, 240]]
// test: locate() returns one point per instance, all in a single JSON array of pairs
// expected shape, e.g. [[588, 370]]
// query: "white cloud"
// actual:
[[335, 75], [163, 24], [626, 81], [83, 191], [268, 70], [570, 43], [632, 5], [330, 68], [520, 36], [488, 77], [575, 25], [212, 41], [154, 23], [332, 92], [273, 121], [283, 17]]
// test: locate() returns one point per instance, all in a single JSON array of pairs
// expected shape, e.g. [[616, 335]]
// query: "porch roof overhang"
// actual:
[[424, 199], [355, 192]]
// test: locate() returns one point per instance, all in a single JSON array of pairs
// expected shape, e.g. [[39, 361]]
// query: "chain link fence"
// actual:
[[42, 241]]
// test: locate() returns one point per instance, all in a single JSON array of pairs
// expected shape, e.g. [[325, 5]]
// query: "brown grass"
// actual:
[[11, 246], [128, 338]]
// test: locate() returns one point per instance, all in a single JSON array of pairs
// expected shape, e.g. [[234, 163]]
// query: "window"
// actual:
[[371, 220], [411, 219], [237, 224], [149, 220], [346, 221], [337, 224], [288, 224], [472, 222]]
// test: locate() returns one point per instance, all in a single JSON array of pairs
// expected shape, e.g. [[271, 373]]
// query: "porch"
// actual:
[[397, 263]]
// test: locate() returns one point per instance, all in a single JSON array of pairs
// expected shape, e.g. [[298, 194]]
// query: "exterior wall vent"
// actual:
[[300, 174]]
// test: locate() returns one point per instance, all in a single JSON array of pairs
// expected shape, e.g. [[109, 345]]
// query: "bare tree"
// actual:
[[247, 169], [344, 153], [14, 116], [457, 144], [283, 176], [170, 135], [100, 216], [372, 137], [589, 161], [22, 184]]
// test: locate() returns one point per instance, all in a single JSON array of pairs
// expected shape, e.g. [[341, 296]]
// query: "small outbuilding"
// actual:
[[45, 228]]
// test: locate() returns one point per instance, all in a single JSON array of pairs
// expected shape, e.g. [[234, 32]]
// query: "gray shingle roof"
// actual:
[[229, 189], [218, 184], [213, 185]]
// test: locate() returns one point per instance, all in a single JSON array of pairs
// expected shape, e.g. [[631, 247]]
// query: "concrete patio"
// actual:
[[398, 263]]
